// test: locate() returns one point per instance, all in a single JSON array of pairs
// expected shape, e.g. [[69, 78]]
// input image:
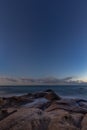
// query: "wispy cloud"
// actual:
[[38, 81], [68, 78]]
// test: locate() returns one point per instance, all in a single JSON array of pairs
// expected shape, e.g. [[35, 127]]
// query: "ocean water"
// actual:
[[70, 91]]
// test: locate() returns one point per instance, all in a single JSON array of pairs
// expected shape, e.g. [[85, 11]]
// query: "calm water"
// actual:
[[65, 91]]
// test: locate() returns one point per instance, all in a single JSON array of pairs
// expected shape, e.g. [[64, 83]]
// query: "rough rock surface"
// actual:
[[43, 111], [84, 123], [36, 119]]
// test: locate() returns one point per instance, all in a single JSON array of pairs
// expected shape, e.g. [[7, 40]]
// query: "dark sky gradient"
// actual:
[[40, 38]]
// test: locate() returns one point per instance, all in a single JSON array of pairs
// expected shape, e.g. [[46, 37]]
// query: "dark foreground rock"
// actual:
[[36, 119], [42, 111]]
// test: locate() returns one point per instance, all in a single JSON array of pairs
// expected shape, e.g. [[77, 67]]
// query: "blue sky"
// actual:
[[43, 38]]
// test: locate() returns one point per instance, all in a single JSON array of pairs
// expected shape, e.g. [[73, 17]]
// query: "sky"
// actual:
[[43, 38]]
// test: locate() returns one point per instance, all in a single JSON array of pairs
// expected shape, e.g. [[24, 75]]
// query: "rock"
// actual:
[[28, 95], [77, 118], [48, 94], [16, 101], [84, 123], [39, 94], [25, 119], [70, 106], [43, 111], [61, 120], [82, 103], [52, 96], [2, 101], [40, 103], [36, 119], [49, 90], [4, 111]]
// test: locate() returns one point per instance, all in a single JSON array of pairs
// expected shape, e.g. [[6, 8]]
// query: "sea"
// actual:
[[70, 91]]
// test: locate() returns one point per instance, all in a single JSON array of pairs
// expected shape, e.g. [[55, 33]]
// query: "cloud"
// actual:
[[39, 81], [10, 79], [68, 78]]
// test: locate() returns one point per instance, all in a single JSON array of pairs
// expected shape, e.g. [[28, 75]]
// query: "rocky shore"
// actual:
[[42, 111]]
